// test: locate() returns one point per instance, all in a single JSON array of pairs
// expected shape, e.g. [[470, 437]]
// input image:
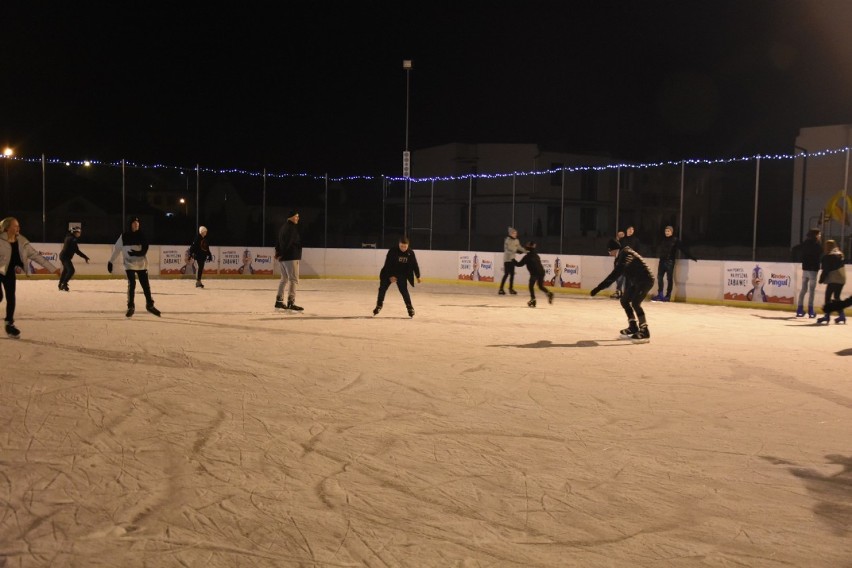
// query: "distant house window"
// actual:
[[554, 220], [588, 220], [589, 185], [556, 176]]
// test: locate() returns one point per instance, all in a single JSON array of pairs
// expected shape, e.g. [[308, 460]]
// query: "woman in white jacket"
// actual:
[[132, 246], [15, 252]]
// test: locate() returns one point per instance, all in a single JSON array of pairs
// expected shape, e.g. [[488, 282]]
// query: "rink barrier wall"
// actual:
[[699, 282]]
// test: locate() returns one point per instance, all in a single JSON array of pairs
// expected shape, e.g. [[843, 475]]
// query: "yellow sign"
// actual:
[[834, 208]]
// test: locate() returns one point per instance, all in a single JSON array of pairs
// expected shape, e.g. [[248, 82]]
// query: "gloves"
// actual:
[[134, 253], [209, 258], [595, 291], [109, 267]]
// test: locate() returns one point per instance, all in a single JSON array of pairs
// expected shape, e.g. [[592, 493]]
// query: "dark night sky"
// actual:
[[320, 87]]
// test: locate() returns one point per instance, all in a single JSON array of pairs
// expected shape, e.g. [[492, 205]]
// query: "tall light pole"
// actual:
[[185, 204], [406, 155], [7, 156], [804, 181]]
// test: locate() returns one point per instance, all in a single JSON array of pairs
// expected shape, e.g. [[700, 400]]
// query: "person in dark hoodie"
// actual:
[[811, 251], [69, 249], [533, 263], [132, 246], [400, 268], [638, 281], [200, 251], [288, 252], [667, 253]]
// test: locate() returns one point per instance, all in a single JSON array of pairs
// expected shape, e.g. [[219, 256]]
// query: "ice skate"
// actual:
[[841, 318], [198, 284], [658, 298], [130, 311], [641, 336], [377, 309], [410, 311], [512, 292], [550, 297], [279, 305], [501, 292], [531, 303], [800, 312], [152, 309], [824, 319], [291, 305], [811, 312], [628, 331], [12, 331]]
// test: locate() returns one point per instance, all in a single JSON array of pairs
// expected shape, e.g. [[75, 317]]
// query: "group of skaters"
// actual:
[[631, 274]]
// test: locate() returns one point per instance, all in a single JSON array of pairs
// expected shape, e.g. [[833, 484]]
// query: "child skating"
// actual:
[[533, 263]]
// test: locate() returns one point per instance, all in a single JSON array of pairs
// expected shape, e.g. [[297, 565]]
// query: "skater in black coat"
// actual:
[[533, 263], [200, 251], [638, 281], [69, 249], [400, 268]]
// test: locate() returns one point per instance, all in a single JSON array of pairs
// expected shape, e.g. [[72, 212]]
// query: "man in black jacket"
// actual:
[[69, 249], [288, 251], [400, 268], [811, 251], [667, 253], [533, 263], [638, 281]]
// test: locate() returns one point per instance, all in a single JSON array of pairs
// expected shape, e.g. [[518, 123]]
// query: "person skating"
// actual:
[[132, 246], [400, 268], [667, 253], [833, 275], [811, 251], [638, 281], [15, 252], [200, 251], [533, 263], [511, 247], [288, 252], [69, 248]]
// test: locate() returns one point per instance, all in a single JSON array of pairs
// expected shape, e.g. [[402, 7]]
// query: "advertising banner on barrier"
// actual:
[[562, 270], [175, 260], [49, 251], [248, 261], [772, 282], [476, 266]]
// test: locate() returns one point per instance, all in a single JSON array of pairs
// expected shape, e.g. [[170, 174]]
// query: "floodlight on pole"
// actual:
[[406, 155]]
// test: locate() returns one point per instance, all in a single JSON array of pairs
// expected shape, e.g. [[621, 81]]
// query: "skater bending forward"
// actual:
[[533, 263], [638, 281], [401, 269]]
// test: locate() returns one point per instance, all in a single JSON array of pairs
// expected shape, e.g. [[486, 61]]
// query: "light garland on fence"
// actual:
[[568, 169]]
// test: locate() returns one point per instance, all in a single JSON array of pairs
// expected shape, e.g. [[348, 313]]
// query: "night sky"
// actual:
[[320, 87]]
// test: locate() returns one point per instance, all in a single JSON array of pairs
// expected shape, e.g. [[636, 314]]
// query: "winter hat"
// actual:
[[202, 229], [613, 245], [512, 230], [292, 213]]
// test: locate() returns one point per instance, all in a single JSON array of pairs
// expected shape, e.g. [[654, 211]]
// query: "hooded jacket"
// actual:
[[511, 247], [70, 248], [632, 266], [289, 245], [533, 263], [400, 264], [132, 246]]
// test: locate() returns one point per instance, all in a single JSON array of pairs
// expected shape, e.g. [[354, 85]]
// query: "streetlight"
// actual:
[[185, 204], [406, 155], [7, 155], [804, 180]]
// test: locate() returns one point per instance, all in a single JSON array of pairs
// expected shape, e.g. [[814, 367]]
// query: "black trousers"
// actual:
[[537, 281], [401, 283], [67, 271], [832, 292], [666, 268], [200, 262], [632, 297], [9, 282], [508, 272], [131, 287]]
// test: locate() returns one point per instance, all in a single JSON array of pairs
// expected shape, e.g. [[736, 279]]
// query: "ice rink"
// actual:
[[479, 433]]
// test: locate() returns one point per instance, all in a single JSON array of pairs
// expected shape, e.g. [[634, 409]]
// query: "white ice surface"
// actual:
[[479, 433]]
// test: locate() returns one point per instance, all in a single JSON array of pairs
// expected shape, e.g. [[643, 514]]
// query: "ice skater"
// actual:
[[811, 251], [132, 246], [833, 275], [400, 268], [200, 251], [15, 251], [288, 252], [533, 263], [638, 281], [511, 247], [69, 248]]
